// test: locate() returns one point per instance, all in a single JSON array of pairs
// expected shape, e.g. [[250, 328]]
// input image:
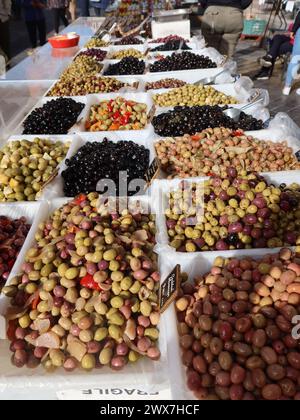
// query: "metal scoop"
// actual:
[[209, 80], [235, 113]]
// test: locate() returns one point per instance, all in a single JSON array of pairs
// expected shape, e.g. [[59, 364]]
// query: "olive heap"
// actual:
[[165, 84], [127, 66], [214, 150], [88, 292], [129, 40], [191, 120], [235, 325], [131, 52], [96, 43], [172, 45], [240, 212], [117, 114], [182, 61], [104, 160], [193, 95], [13, 233], [25, 167], [54, 117], [74, 86], [82, 66], [96, 53]]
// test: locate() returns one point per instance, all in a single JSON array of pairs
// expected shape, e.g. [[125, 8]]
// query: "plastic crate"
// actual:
[[254, 27]]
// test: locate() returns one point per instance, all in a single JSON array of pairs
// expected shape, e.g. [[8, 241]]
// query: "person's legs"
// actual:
[[277, 43], [293, 66], [62, 15], [84, 8], [210, 27], [41, 25], [31, 28], [56, 19], [285, 48], [72, 9], [5, 38]]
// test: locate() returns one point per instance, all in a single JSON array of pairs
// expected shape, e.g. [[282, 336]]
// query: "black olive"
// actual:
[[128, 65]]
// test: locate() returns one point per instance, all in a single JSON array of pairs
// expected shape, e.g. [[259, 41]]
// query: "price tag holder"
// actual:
[[169, 289], [151, 114], [298, 155], [152, 172]]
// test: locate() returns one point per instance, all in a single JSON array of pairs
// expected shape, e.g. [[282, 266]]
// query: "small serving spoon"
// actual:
[[209, 80], [235, 113]]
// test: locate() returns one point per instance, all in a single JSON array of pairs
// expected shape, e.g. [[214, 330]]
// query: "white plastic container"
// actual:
[[43, 101], [148, 375], [144, 98], [194, 265], [161, 189]]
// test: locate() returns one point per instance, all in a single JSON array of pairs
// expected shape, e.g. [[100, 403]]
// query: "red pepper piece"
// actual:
[[89, 282], [11, 330], [238, 133], [79, 199]]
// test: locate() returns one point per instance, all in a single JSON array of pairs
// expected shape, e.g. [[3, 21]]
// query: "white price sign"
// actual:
[[108, 394]]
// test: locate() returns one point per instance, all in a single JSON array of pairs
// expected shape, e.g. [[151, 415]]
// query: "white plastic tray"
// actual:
[[194, 265], [95, 99], [150, 375]]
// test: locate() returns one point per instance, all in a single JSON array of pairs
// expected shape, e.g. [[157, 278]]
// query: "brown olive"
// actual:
[[271, 392], [223, 378], [269, 355], [199, 364], [216, 346], [259, 378], [288, 387], [186, 341], [259, 338], [242, 349], [238, 375], [276, 372], [187, 358], [205, 323], [225, 360]]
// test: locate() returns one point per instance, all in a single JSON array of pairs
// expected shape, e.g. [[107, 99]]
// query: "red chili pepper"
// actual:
[[35, 302], [238, 133], [79, 199], [89, 282], [11, 330], [116, 115]]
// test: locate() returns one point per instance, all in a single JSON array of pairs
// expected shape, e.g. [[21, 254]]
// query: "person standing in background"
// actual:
[[72, 10], [35, 21], [223, 23], [84, 6], [5, 12], [293, 66], [59, 8]]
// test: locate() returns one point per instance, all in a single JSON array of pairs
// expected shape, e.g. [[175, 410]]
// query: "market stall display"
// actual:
[[127, 66], [182, 61]]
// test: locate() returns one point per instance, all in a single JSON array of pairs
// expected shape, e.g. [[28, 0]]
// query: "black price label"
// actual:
[[152, 172], [298, 155], [169, 289]]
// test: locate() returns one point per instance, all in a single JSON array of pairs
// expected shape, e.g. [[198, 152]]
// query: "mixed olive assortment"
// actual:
[[96, 53], [99, 161], [131, 52], [127, 66], [191, 120], [129, 40], [182, 61], [192, 95], [54, 117], [165, 84], [213, 151], [117, 114], [71, 86], [88, 292], [172, 45], [13, 233], [235, 325], [82, 66], [240, 211], [26, 166]]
